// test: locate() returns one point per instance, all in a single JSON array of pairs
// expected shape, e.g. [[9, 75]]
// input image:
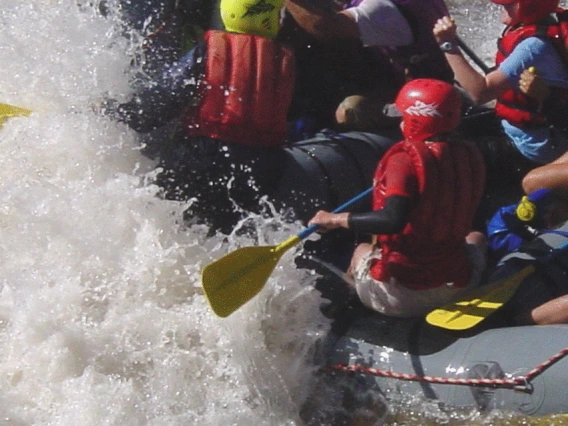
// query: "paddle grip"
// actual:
[[313, 228]]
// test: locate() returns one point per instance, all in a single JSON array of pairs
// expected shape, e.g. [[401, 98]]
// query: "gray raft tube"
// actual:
[[496, 365], [520, 369], [325, 171]]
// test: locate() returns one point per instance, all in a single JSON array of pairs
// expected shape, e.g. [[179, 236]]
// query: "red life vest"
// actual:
[[246, 91], [513, 105], [430, 250]]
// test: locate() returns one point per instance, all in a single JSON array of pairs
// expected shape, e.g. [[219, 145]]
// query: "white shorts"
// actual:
[[396, 300]]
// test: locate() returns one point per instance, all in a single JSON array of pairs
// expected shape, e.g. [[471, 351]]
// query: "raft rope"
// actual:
[[520, 383]]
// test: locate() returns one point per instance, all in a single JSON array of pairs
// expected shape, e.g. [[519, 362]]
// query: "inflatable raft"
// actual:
[[369, 359]]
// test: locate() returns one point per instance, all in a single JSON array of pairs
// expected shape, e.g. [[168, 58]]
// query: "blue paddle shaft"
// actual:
[[313, 228]]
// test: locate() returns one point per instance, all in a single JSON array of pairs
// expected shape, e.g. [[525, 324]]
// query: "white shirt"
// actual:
[[381, 24]]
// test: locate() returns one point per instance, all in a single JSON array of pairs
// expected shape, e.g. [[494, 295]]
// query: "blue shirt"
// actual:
[[536, 144]]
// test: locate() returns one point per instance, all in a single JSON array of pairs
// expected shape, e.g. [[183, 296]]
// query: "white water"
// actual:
[[102, 320]]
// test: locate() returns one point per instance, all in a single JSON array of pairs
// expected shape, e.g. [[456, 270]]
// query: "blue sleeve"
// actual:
[[533, 52]]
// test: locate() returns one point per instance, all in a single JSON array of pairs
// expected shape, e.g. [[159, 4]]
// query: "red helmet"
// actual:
[[428, 107], [532, 11]]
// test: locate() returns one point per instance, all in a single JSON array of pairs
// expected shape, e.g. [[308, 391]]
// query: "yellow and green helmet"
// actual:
[[255, 17]]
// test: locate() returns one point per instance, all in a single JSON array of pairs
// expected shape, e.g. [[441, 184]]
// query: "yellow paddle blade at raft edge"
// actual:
[[230, 282], [7, 111], [234, 279], [477, 304]]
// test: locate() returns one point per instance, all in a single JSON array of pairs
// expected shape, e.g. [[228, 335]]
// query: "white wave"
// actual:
[[102, 318]]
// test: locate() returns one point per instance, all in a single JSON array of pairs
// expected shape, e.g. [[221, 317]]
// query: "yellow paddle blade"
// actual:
[[237, 277], [477, 304], [7, 111]]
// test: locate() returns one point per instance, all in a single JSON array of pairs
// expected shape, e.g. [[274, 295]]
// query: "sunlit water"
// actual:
[[102, 318]]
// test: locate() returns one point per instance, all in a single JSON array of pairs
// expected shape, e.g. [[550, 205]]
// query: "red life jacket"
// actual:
[[513, 105], [430, 250], [246, 91]]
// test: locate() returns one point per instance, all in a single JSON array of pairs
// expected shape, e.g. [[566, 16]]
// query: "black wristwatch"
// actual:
[[447, 46]]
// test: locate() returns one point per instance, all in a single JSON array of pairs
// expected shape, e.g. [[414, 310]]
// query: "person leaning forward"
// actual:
[[233, 91], [426, 192]]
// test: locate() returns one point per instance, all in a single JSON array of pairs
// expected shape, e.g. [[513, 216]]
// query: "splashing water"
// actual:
[[102, 318]]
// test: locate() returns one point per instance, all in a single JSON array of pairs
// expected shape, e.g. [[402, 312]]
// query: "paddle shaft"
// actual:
[[473, 56], [313, 228], [234, 279], [292, 241]]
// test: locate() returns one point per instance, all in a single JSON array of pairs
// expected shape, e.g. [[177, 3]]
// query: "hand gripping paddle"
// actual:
[[237, 277]]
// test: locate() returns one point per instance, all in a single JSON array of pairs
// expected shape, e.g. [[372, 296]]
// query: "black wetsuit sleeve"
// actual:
[[391, 219], [165, 99]]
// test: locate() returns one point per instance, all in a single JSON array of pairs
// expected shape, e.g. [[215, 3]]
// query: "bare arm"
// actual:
[[480, 88], [553, 176], [322, 24]]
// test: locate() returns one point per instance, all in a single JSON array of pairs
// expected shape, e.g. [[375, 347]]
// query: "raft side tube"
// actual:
[[324, 172], [504, 353], [526, 366]]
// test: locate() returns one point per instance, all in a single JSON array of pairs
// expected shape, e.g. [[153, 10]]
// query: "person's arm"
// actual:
[[321, 23], [480, 88], [553, 176], [401, 186], [374, 22], [391, 219]]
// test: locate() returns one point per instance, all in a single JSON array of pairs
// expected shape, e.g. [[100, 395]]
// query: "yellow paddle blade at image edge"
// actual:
[[7, 111], [236, 278], [477, 304]]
